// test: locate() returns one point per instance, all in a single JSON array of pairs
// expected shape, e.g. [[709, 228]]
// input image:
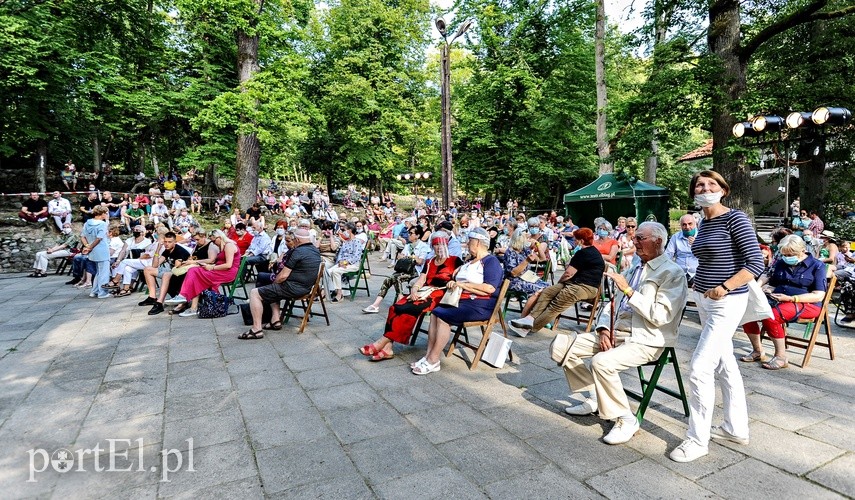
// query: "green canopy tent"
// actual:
[[612, 196]]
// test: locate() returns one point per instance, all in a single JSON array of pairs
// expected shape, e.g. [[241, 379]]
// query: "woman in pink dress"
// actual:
[[209, 276]]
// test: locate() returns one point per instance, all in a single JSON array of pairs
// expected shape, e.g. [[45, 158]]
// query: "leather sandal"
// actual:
[[273, 325], [368, 350], [775, 363], [251, 335], [382, 355], [752, 357]]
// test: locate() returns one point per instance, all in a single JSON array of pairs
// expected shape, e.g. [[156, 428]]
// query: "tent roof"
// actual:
[[608, 186]]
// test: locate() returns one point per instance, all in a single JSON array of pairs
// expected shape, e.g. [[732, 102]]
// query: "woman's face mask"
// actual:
[[534, 230], [280, 231], [705, 200], [790, 260], [602, 233], [66, 230]]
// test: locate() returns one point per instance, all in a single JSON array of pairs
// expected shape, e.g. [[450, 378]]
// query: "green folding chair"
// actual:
[[354, 277], [230, 289], [649, 386]]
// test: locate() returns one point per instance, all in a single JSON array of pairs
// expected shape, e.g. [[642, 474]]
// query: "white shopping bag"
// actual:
[[497, 350]]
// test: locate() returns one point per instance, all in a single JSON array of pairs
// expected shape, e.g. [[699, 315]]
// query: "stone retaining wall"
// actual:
[[19, 243]]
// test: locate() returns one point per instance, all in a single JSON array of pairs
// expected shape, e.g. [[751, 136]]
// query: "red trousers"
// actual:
[[783, 312]]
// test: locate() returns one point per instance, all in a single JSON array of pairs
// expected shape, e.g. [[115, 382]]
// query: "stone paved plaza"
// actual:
[[307, 416]]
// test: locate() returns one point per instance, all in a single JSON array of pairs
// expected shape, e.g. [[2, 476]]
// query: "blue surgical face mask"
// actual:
[[577, 248], [602, 233], [534, 230], [790, 260], [690, 232], [807, 238]]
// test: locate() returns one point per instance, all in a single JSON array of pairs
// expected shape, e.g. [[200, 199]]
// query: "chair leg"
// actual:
[[453, 341], [647, 390], [307, 313], [683, 398]]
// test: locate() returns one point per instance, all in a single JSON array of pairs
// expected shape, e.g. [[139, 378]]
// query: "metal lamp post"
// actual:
[[445, 99]]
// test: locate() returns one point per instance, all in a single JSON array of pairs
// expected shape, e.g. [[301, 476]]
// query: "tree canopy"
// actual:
[[348, 91]]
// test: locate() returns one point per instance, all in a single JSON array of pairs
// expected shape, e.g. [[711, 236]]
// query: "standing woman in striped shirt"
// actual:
[[728, 258]]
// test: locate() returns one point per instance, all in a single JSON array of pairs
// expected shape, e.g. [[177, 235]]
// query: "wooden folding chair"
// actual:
[[305, 304], [649, 386], [486, 327], [64, 263], [354, 277], [230, 289], [808, 340], [580, 315]]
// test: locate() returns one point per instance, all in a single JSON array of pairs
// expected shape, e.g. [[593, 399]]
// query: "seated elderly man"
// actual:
[[679, 248], [649, 305], [259, 249], [65, 246], [296, 279]]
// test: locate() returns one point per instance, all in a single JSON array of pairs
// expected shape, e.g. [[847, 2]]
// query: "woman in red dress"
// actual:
[[208, 276], [404, 314]]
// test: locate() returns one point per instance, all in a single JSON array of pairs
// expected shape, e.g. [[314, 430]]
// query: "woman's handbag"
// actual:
[[452, 297], [181, 271], [405, 265], [758, 305], [213, 305], [424, 293], [529, 276]]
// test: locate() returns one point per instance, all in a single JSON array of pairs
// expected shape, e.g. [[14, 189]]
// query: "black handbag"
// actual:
[[405, 265], [213, 305]]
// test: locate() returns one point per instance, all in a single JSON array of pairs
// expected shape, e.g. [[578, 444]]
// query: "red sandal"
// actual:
[[382, 355], [368, 350]]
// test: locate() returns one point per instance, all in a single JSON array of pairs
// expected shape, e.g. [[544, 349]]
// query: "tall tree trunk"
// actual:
[[603, 150], [96, 155], [155, 165], [724, 42], [141, 159], [41, 165], [248, 146], [812, 180]]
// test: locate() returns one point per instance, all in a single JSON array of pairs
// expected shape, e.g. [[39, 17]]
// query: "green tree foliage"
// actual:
[[525, 119], [368, 81]]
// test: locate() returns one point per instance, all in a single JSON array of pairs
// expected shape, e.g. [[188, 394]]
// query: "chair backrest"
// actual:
[[497, 310], [832, 282], [316, 289], [238, 281]]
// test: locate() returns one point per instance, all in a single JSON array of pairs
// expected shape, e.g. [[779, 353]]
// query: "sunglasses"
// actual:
[[632, 227]]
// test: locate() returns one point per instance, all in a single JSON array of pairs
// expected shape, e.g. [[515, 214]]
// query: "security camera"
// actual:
[[782, 189]]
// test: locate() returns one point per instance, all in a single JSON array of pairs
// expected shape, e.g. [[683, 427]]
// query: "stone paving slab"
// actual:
[[307, 416]]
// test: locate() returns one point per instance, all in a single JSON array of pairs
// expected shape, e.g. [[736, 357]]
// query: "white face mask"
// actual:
[[66, 230], [280, 231], [705, 200]]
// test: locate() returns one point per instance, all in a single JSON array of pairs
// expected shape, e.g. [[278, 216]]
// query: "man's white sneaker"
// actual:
[[526, 322], [587, 407], [174, 301], [717, 432], [688, 451], [622, 431], [522, 332]]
